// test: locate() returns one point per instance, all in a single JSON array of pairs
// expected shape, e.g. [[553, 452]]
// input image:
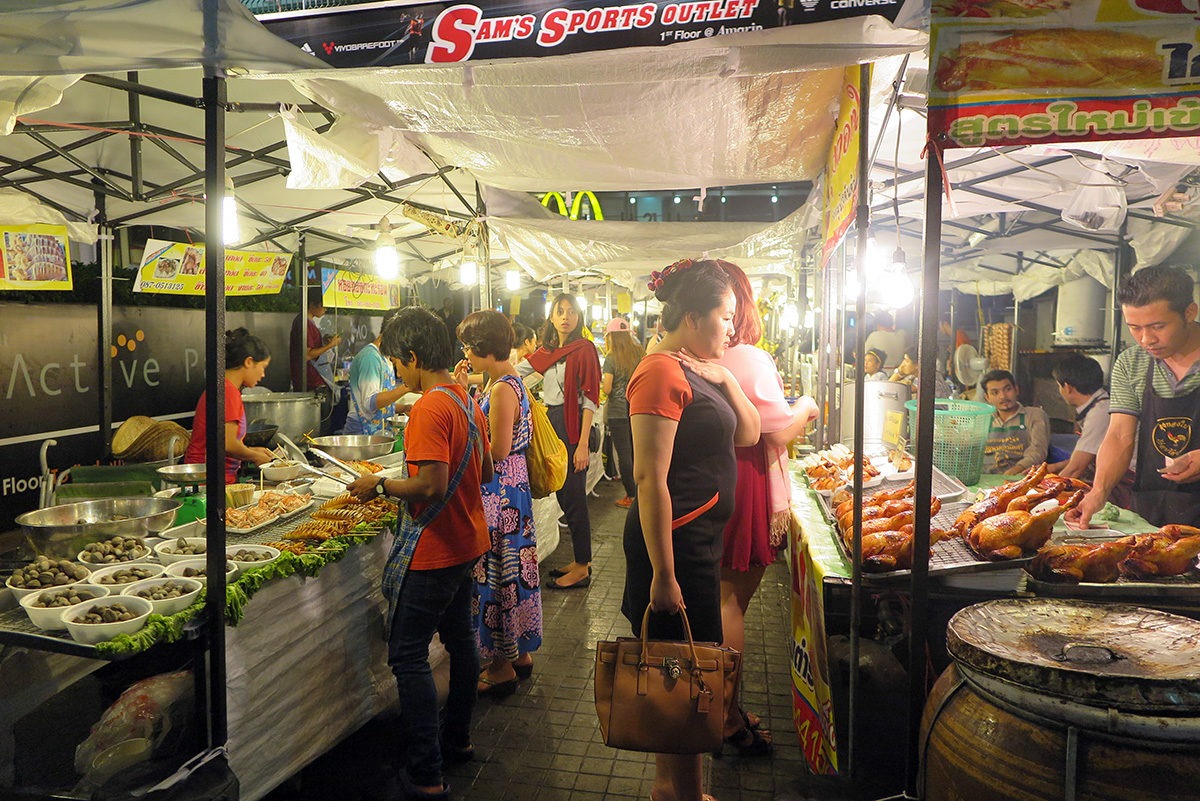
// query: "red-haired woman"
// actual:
[[762, 502]]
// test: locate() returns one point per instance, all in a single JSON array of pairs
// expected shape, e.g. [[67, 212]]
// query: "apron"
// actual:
[[1166, 427], [1004, 451], [410, 528]]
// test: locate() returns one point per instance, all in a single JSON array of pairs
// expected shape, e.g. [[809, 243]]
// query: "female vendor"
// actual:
[[246, 360]]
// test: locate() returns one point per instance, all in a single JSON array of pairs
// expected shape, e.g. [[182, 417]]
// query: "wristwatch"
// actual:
[[379, 488]]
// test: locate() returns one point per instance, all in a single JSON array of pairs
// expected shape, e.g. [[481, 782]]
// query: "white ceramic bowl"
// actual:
[[165, 550], [271, 553], [102, 576], [146, 556], [281, 470], [50, 617], [179, 569], [92, 633], [167, 606], [20, 592]]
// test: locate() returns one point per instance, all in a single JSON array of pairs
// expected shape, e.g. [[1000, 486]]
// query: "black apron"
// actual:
[[1166, 427], [1006, 445]]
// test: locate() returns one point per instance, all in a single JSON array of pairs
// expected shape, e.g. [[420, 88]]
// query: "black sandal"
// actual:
[[750, 742]]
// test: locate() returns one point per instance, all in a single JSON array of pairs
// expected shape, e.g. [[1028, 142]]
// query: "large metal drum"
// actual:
[[296, 413], [1065, 701]]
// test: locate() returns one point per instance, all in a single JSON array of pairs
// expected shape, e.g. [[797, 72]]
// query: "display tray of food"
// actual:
[[1003, 529], [1109, 564], [829, 470], [268, 507]]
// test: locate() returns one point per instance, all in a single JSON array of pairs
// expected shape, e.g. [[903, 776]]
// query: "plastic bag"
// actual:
[[1097, 205], [547, 456], [149, 709]]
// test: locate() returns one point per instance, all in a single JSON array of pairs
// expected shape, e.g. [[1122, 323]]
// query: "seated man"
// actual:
[[1081, 384], [1020, 435]]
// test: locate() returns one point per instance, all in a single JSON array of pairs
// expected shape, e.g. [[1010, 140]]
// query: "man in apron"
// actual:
[[1020, 435], [1081, 383], [1154, 408]]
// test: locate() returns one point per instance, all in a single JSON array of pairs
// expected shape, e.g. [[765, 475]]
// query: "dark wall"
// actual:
[[49, 380]]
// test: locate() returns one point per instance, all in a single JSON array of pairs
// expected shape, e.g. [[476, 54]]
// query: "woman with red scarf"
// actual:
[[570, 368]]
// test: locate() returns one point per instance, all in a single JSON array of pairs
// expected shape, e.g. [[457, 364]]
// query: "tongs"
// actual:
[[333, 461], [345, 482]]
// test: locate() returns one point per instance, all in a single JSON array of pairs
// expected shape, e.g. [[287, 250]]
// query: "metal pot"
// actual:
[[295, 413], [355, 446], [63, 531]]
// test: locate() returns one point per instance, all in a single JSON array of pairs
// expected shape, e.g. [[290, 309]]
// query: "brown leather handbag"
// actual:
[[663, 696]]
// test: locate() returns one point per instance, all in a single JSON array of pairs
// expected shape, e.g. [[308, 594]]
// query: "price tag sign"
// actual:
[[893, 422]]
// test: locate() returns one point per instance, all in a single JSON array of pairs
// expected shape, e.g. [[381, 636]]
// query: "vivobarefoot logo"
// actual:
[[329, 47]]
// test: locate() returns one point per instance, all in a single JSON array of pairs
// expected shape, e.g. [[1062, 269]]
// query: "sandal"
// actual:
[[749, 742], [523, 671], [454, 754], [496, 689]]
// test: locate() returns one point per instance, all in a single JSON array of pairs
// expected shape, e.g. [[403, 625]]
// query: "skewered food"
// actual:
[[1009, 535], [364, 467], [43, 573]]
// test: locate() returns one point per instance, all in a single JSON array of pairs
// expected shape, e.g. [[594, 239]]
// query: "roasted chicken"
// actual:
[[1070, 564], [1170, 551], [997, 501], [1009, 535], [876, 499], [892, 550]]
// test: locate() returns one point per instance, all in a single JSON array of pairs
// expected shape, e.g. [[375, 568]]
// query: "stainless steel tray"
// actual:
[[1185, 586], [947, 557]]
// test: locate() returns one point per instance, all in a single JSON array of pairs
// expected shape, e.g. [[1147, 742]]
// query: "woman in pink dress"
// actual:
[[758, 527]]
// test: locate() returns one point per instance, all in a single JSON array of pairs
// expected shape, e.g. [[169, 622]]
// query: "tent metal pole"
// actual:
[[1012, 346], [1122, 266], [214, 341], [104, 318], [862, 224], [918, 623], [135, 142]]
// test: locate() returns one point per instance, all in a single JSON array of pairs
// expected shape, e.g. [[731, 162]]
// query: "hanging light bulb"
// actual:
[[468, 272], [229, 217], [387, 259], [789, 318], [512, 280]]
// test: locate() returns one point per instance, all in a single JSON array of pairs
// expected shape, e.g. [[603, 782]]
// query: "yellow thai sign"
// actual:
[[36, 257], [346, 290], [177, 268], [812, 699], [841, 168], [1011, 72]]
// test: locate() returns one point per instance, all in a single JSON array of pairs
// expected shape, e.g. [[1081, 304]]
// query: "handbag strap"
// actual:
[[687, 629]]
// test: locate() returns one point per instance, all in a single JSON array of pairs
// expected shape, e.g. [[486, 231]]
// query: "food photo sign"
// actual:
[[1013, 72], [34, 257], [177, 268], [342, 289]]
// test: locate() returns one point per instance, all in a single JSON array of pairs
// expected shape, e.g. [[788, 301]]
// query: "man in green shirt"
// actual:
[[1154, 402], [1020, 435]]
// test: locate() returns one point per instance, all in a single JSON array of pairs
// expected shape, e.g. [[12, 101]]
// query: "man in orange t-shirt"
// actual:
[[436, 591]]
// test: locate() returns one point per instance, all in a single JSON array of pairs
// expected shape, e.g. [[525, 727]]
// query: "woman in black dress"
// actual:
[[687, 413]]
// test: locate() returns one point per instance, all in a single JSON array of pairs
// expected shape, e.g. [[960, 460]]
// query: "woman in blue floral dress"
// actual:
[[508, 599]]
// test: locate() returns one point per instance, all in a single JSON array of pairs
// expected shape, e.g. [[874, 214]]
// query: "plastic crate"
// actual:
[[960, 434]]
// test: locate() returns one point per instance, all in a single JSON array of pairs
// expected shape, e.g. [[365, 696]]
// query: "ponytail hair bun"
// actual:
[[240, 345], [689, 287]]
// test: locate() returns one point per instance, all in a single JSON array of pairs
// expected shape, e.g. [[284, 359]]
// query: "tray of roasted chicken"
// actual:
[[830, 470], [1108, 564], [1002, 530]]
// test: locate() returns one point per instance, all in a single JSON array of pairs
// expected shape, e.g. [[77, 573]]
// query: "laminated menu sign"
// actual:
[[841, 168], [177, 268], [1009, 72], [34, 257], [346, 290]]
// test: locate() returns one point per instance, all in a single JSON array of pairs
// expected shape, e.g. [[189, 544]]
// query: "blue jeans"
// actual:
[[434, 600]]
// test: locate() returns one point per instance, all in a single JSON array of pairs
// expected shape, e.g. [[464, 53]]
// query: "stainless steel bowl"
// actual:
[[355, 446], [185, 475], [63, 531]]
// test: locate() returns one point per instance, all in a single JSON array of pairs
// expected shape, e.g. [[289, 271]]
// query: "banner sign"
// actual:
[[841, 168], [1012, 73], [416, 33], [341, 289], [34, 257], [177, 268], [812, 699]]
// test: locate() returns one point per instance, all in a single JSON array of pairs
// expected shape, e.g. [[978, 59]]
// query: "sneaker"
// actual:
[[625, 502]]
